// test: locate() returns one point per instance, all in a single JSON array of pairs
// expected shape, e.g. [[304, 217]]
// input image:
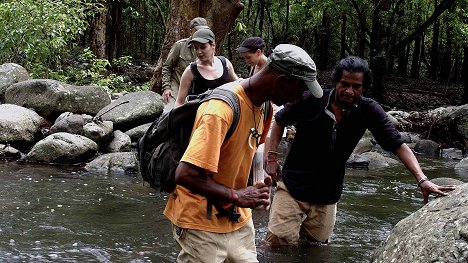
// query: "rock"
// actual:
[[438, 232], [124, 162], [377, 160], [133, 109], [50, 98], [462, 165], [357, 161], [428, 148], [120, 142], [8, 152], [11, 73], [63, 148], [364, 145], [137, 132], [73, 123], [371, 160], [98, 131], [446, 181], [452, 153], [19, 126]]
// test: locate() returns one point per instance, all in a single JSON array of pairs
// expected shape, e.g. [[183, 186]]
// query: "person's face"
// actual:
[[204, 51], [287, 89], [349, 88], [251, 58]]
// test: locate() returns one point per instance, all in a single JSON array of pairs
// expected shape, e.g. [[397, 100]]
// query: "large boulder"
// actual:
[[50, 98], [11, 73], [133, 109], [19, 126], [438, 232], [63, 148]]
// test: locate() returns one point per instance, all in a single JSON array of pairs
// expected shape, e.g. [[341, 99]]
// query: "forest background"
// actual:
[[417, 46]]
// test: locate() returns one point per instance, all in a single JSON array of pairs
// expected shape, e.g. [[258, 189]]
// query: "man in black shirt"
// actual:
[[327, 131]]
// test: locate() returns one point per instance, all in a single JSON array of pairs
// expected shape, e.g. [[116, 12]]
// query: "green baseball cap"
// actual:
[[203, 36], [294, 61]]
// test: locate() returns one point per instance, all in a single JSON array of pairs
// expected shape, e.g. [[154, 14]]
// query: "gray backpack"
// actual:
[[163, 144]]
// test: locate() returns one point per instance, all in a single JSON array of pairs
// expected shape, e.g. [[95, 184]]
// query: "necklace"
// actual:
[[254, 134]]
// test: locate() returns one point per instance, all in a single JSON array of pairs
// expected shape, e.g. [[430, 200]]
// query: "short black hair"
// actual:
[[353, 64]]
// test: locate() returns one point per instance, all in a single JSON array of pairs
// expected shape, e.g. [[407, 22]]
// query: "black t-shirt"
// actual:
[[314, 168]]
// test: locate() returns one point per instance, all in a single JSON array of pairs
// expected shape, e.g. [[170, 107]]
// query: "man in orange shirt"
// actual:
[[215, 171]]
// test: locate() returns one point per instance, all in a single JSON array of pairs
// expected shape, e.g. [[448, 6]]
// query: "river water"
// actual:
[[63, 214]]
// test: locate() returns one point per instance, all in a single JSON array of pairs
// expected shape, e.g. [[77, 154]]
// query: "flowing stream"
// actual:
[[63, 214]]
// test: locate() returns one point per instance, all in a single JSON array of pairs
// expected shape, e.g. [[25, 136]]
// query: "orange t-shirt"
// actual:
[[228, 161]]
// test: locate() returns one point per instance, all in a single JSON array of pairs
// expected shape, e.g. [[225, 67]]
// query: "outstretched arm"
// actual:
[[196, 179], [411, 163], [184, 88]]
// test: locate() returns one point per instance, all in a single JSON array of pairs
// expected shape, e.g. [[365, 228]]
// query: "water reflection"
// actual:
[[62, 214]]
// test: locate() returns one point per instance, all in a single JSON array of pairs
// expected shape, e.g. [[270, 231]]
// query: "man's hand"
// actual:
[[167, 94], [428, 187], [273, 169], [254, 196]]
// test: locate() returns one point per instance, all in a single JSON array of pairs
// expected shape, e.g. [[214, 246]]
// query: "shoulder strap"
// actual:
[[267, 113], [193, 68], [232, 100]]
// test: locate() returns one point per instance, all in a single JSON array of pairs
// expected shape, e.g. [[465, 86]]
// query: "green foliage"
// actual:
[[86, 69], [37, 33]]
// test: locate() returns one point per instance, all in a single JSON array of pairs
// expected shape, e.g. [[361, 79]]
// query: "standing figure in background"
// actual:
[[208, 71], [179, 57]]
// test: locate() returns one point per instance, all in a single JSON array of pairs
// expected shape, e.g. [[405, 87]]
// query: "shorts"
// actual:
[[203, 246], [291, 219]]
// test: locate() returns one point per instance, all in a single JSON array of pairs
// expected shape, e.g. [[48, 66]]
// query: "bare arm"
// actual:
[[411, 163], [270, 154], [232, 74], [196, 180], [184, 88]]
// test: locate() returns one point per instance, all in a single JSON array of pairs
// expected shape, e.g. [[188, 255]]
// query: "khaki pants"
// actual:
[[201, 246], [290, 219]]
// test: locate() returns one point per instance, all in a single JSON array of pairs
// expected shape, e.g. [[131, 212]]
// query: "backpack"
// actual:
[[163, 144]]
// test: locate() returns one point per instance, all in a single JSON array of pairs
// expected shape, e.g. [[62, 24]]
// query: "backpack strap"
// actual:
[[230, 98]]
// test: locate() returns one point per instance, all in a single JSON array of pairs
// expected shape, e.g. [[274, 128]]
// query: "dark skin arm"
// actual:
[[198, 181]]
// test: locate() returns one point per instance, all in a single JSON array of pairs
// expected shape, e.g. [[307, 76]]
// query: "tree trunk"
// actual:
[[446, 61], [115, 31], [262, 18], [343, 36], [434, 55], [402, 63], [221, 16], [415, 62], [324, 41], [98, 32], [377, 58], [464, 75]]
